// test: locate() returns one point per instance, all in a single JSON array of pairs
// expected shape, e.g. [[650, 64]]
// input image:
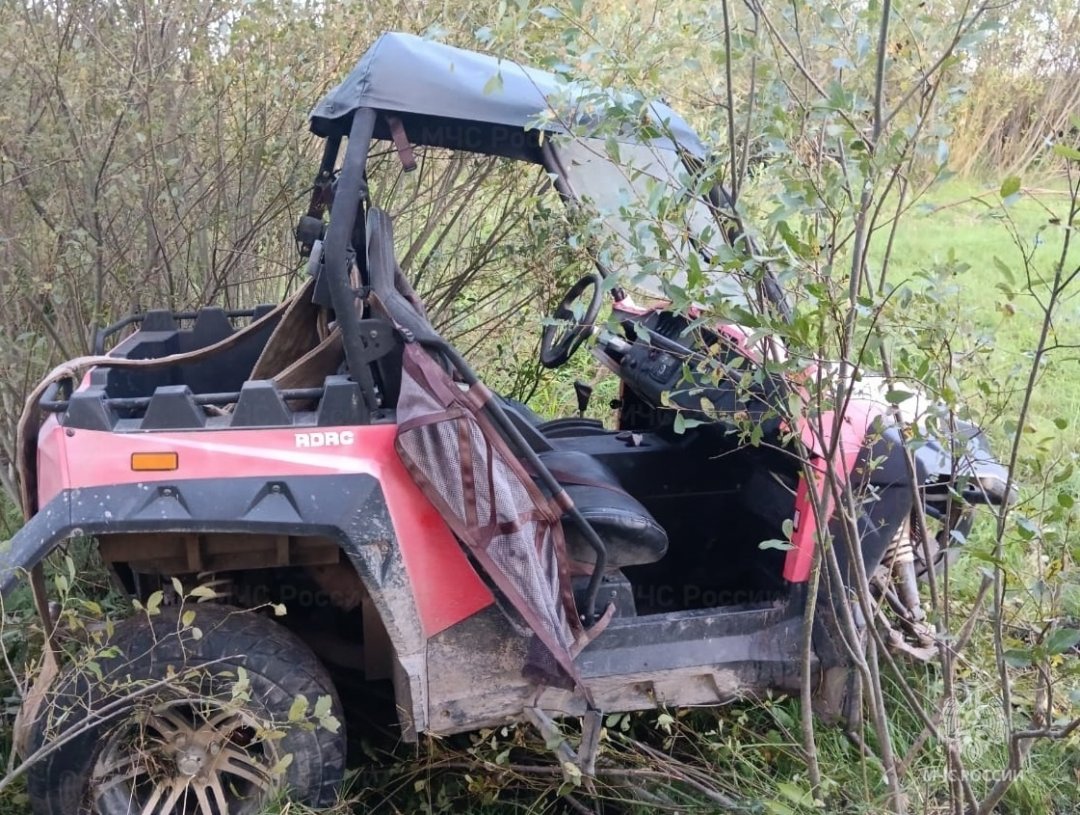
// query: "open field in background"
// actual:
[[960, 240], [957, 228]]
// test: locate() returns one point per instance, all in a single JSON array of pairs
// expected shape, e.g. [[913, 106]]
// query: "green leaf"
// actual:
[[331, 723], [612, 149], [1062, 640], [153, 602], [572, 772], [1061, 423], [187, 618], [241, 686], [1070, 153], [794, 793], [299, 708], [778, 808], [322, 706], [665, 721], [776, 543], [1010, 186], [283, 764], [494, 84], [682, 424], [1006, 272], [1027, 528], [1018, 658], [895, 397]]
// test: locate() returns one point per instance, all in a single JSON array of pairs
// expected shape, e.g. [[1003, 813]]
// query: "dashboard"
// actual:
[[670, 366]]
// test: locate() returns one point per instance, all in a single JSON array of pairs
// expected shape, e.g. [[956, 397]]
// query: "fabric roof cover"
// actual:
[[408, 74]]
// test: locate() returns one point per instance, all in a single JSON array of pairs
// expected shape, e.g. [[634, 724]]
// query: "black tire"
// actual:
[[189, 678]]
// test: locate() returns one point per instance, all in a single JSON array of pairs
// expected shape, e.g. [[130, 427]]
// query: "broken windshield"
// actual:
[[651, 227]]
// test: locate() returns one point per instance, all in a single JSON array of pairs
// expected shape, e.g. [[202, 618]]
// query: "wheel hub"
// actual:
[[191, 760], [184, 760]]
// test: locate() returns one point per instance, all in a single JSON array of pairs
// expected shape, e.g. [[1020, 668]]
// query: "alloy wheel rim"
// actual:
[[185, 758]]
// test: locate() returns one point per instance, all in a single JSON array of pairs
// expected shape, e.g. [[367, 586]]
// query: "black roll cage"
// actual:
[[344, 243]]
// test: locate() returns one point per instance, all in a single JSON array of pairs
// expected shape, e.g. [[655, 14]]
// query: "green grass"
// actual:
[[961, 229], [964, 243]]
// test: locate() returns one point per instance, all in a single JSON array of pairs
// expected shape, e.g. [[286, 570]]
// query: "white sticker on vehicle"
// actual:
[[329, 438]]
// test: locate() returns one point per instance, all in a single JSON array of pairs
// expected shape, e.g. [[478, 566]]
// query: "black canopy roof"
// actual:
[[406, 74]]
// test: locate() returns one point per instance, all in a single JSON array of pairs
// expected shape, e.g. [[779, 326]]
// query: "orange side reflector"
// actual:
[[143, 462]]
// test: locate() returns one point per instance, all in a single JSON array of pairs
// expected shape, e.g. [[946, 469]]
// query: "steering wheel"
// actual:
[[570, 326]]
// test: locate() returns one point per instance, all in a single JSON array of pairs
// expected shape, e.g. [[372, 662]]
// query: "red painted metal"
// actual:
[[52, 463], [446, 587], [626, 305], [853, 429]]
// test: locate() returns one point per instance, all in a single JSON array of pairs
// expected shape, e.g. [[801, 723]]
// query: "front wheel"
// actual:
[[197, 710]]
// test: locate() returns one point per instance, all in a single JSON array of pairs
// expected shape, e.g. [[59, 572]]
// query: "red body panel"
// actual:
[[853, 429], [446, 587], [52, 463]]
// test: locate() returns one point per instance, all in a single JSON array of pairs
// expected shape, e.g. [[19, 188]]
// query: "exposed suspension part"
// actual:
[[900, 556], [897, 583]]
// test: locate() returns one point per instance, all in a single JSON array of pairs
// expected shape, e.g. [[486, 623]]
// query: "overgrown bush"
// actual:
[[165, 163]]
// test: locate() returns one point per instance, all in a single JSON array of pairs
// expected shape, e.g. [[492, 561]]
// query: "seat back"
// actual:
[[392, 291], [394, 296]]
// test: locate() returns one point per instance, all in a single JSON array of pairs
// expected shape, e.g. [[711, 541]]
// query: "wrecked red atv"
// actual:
[[335, 459]]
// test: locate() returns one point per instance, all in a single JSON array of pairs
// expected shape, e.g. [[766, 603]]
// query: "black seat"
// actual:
[[631, 534], [627, 528], [532, 425]]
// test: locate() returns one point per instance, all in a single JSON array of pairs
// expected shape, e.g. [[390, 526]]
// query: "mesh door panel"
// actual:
[[467, 470]]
